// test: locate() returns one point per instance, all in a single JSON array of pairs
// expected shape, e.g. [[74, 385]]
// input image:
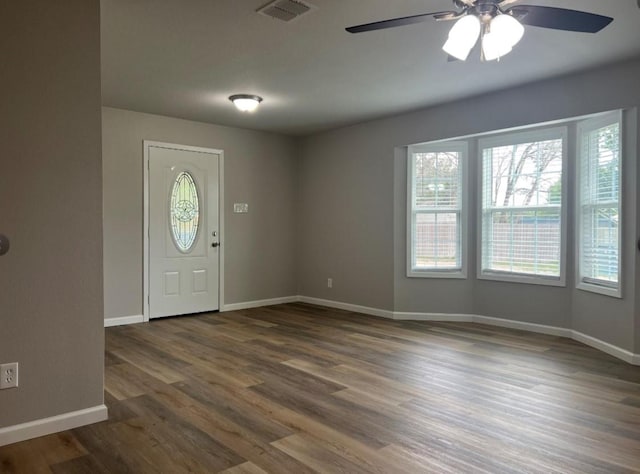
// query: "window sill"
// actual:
[[522, 278], [601, 290], [445, 274]]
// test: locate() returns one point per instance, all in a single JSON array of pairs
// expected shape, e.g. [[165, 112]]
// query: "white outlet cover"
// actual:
[[8, 375]]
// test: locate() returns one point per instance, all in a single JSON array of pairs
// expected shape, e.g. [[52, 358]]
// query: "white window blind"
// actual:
[[436, 209], [522, 215], [599, 204]]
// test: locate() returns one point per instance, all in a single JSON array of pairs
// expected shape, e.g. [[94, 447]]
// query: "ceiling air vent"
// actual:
[[286, 10]]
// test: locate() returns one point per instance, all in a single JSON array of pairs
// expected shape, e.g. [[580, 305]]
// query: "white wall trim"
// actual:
[[145, 229], [442, 317], [591, 341], [54, 424], [382, 313], [603, 346], [524, 326], [122, 320], [259, 303], [475, 318]]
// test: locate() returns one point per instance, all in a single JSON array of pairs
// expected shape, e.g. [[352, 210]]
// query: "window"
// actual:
[[599, 204], [522, 232], [436, 221], [184, 212]]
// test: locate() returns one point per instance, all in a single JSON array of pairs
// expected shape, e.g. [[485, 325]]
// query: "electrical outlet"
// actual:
[[8, 375], [329, 282]]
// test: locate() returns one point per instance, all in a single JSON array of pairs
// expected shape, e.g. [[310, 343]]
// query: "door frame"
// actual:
[[147, 144]]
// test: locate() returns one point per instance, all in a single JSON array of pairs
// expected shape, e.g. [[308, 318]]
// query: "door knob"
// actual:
[[215, 244]]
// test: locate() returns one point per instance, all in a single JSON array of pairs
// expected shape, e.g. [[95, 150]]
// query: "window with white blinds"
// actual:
[[521, 222], [599, 216], [436, 221]]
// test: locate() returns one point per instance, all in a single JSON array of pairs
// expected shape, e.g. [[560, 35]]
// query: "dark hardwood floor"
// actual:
[[296, 388]]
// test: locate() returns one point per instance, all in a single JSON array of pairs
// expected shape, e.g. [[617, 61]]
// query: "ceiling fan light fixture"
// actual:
[[246, 102], [510, 29], [493, 47], [504, 33], [462, 37]]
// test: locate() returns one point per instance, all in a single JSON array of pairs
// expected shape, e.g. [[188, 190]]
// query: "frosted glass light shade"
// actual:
[[462, 37], [510, 29], [246, 102], [504, 33], [493, 47]]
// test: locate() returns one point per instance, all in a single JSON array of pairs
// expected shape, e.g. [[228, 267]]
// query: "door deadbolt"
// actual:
[[4, 244]]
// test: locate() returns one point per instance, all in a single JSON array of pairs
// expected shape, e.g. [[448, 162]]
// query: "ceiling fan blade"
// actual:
[[406, 20], [559, 18]]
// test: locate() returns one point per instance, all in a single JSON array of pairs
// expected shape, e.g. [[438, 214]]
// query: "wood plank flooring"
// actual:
[[297, 389]]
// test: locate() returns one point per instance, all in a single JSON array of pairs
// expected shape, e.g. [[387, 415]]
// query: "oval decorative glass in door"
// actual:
[[184, 211]]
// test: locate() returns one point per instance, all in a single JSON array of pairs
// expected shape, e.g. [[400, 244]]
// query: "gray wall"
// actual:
[[416, 294], [594, 314], [51, 301], [259, 169], [346, 218], [353, 196]]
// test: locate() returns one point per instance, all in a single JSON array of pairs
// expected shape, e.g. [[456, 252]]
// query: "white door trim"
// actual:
[[146, 144]]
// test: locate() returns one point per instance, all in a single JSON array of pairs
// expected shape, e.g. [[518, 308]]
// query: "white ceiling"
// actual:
[[183, 58]]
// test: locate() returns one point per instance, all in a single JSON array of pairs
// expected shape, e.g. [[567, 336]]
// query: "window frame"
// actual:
[[586, 126], [458, 146], [504, 139]]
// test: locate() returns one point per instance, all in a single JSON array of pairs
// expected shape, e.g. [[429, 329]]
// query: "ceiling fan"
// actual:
[[497, 23]]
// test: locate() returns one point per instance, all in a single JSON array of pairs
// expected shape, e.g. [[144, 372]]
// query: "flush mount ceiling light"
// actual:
[[246, 102], [498, 25]]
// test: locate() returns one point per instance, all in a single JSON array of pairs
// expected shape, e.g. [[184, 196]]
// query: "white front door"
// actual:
[[184, 230]]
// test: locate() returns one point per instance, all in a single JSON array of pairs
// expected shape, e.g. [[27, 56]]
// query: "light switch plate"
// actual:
[[240, 207]]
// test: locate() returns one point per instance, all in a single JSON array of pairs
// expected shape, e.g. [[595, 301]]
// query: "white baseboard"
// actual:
[[610, 349], [259, 303], [441, 317], [524, 326], [382, 313], [475, 318], [54, 424], [603, 346], [122, 320]]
